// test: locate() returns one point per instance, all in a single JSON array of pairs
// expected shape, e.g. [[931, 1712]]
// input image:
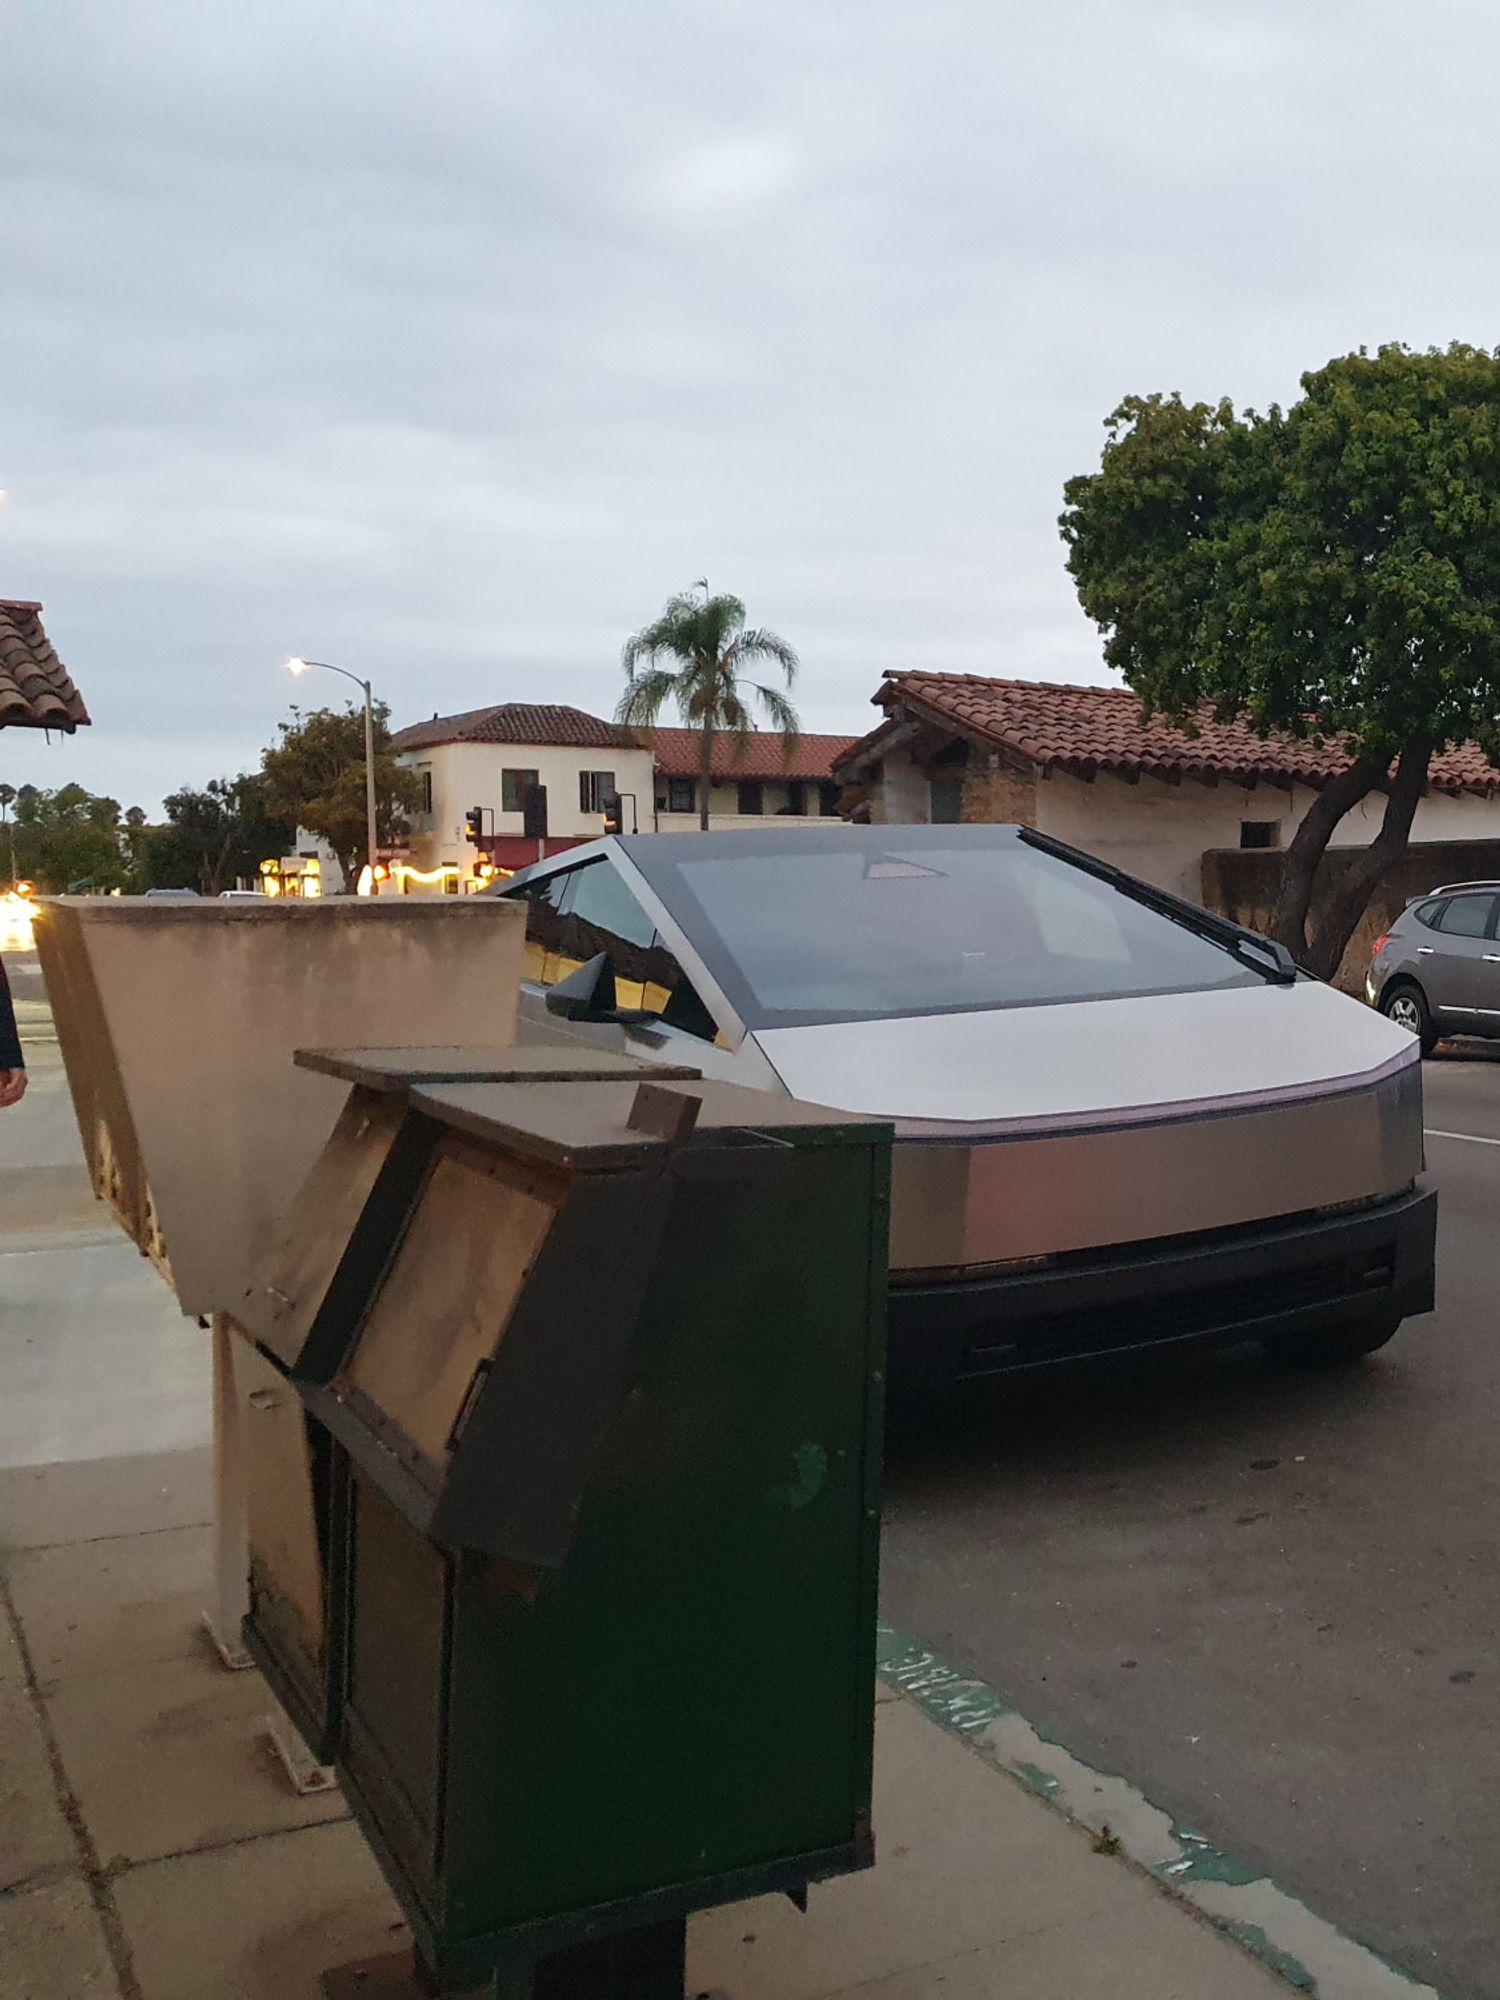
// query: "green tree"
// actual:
[[212, 837], [315, 777], [709, 645], [1331, 570], [69, 837]]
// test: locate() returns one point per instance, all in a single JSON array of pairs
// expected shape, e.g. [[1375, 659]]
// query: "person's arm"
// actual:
[[12, 1062]]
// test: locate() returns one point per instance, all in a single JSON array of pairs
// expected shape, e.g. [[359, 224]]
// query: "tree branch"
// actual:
[[1340, 795], [1356, 885]]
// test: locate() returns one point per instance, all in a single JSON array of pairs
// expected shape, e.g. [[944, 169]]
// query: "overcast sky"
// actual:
[[446, 338]]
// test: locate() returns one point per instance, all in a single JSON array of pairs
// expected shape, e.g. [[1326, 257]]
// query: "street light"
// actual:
[[300, 666]]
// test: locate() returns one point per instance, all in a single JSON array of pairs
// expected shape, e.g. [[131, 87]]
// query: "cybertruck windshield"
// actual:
[[801, 927]]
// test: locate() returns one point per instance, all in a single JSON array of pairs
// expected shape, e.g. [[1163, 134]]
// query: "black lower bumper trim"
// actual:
[[1375, 1263]]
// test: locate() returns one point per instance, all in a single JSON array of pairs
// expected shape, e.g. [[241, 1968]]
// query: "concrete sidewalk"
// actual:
[[151, 1847]]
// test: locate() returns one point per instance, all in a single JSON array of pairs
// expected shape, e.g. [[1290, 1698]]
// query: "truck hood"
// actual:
[[1083, 1064]]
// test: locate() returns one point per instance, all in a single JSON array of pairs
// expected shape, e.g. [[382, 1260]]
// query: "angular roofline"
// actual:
[[1287, 759]]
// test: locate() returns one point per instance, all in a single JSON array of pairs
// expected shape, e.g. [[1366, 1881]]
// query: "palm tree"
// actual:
[[708, 643]]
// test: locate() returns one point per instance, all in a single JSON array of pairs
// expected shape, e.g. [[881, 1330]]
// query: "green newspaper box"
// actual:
[[600, 1385]]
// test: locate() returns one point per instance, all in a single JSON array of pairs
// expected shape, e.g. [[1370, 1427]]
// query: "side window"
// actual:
[[1430, 914], [1467, 916], [544, 907], [582, 911]]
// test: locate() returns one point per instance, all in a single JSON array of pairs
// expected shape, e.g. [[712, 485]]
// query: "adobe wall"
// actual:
[[1242, 884]]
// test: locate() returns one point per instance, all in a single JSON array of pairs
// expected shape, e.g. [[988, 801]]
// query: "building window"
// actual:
[[424, 778], [1259, 833], [594, 787], [947, 806], [828, 798], [682, 795], [514, 785], [796, 798], [751, 798]]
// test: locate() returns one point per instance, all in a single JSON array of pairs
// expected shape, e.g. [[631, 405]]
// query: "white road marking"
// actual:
[[1471, 1138]]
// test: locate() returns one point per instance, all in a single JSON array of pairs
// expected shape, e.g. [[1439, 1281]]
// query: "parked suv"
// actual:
[[1437, 969]]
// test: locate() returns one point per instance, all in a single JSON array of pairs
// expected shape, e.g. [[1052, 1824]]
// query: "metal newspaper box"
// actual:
[[350, 1208], [602, 1410]]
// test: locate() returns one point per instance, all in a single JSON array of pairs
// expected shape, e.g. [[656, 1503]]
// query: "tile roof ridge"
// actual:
[[897, 674]]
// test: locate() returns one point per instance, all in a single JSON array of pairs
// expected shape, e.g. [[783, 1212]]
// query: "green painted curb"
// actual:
[[1313, 1956]]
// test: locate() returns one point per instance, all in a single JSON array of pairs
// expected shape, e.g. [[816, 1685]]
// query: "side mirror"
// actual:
[[587, 994]]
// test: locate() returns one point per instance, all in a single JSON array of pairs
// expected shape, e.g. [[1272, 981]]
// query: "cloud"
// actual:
[[447, 341], [720, 180]]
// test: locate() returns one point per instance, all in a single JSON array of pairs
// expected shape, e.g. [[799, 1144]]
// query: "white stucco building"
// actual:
[[489, 758], [1079, 763]]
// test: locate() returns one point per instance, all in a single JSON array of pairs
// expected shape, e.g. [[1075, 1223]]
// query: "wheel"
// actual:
[[1334, 1346], [1406, 1005]]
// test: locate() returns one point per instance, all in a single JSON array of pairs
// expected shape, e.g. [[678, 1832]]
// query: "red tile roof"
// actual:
[[35, 691], [678, 753], [675, 750], [1090, 729], [544, 725]]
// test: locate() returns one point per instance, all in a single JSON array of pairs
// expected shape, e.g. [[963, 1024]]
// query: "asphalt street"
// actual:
[[1271, 1600]]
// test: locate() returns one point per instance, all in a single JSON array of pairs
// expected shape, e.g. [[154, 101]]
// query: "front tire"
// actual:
[[1406, 1005], [1333, 1346]]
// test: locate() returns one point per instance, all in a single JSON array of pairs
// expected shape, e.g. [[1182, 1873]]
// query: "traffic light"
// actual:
[[474, 823], [614, 813]]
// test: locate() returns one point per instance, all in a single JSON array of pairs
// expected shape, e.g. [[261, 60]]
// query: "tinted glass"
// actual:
[[1428, 914], [543, 922], [1467, 916], [860, 930], [574, 915]]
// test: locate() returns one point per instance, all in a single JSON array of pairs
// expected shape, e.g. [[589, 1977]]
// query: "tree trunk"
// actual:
[[705, 772], [1349, 900], [1299, 871]]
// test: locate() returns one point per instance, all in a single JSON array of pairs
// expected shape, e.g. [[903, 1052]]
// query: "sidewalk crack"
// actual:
[[96, 1876]]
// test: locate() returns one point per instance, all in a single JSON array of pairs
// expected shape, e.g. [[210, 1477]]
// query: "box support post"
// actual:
[[230, 1601]]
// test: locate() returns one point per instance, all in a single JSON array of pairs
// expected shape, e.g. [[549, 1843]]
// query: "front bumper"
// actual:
[[1244, 1284]]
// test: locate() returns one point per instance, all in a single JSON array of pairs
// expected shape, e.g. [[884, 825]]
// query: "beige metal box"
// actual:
[[178, 1021]]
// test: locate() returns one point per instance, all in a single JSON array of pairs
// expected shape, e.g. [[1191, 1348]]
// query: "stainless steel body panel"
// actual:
[[1120, 1121], [959, 1207]]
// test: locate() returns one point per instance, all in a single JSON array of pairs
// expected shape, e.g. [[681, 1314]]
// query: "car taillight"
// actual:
[[1380, 945]]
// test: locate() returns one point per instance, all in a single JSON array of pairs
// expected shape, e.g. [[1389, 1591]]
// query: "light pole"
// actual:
[[300, 666]]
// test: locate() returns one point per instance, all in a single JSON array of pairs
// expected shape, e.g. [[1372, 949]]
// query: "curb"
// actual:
[[1313, 1956]]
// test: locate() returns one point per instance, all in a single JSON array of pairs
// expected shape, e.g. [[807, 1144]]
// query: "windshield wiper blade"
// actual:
[[1262, 954]]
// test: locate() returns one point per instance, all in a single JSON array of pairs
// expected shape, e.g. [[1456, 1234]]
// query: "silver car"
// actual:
[[1121, 1121], [1437, 969]]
